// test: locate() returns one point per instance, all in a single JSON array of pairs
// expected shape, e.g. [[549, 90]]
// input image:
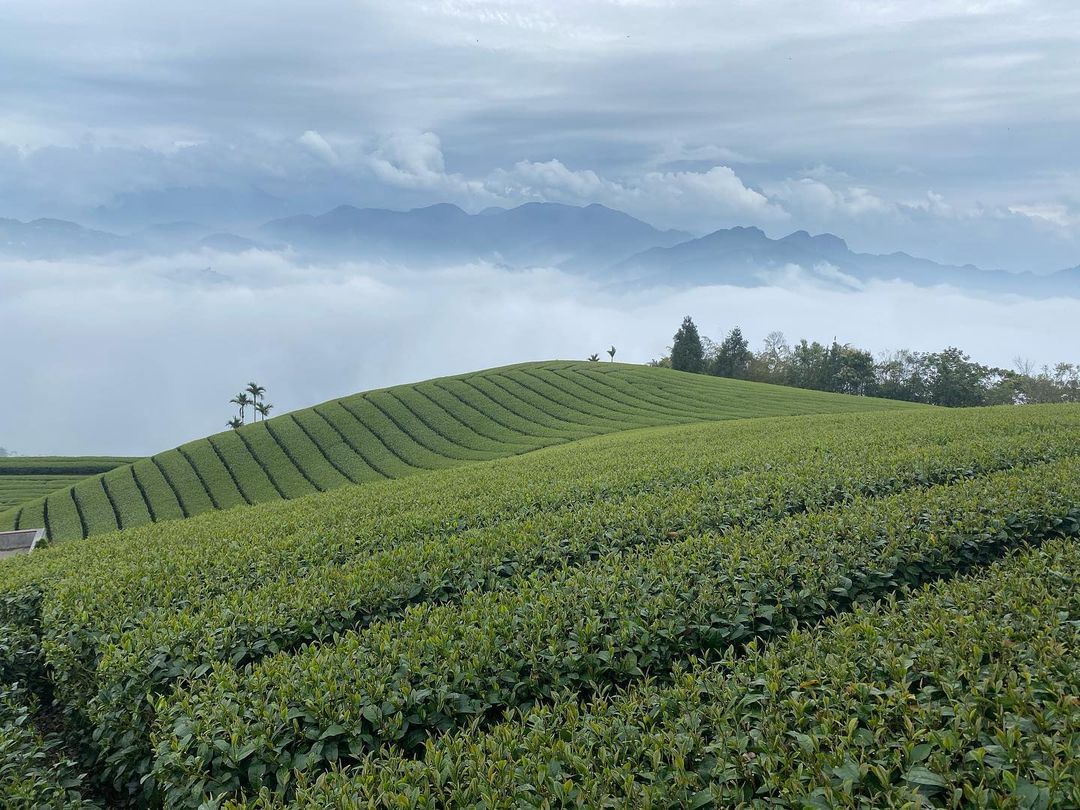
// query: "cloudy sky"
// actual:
[[945, 128]]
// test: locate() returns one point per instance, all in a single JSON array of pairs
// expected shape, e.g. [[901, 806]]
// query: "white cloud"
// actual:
[[718, 189], [714, 197], [935, 204], [814, 197], [717, 195], [414, 160], [823, 276], [550, 180], [410, 158], [114, 338], [1052, 213], [318, 146]]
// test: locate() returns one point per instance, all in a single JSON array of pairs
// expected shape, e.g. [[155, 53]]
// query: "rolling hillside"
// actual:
[[396, 432], [613, 622], [24, 478]]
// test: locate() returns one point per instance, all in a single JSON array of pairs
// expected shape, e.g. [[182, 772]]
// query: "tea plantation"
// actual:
[[26, 478], [400, 431], [864, 609]]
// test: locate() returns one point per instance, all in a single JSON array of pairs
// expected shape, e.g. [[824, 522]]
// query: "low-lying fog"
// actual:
[[131, 359]]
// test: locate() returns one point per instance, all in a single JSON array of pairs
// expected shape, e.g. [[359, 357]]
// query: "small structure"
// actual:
[[22, 541]]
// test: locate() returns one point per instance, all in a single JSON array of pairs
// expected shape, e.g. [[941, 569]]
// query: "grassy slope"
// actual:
[[395, 432], [280, 583], [26, 478]]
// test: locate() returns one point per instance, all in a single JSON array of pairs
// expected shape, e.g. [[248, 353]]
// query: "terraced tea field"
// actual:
[[843, 609], [26, 478], [396, 432]]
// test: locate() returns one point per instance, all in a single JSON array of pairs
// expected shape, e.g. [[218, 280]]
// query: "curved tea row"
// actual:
[[396, 432]]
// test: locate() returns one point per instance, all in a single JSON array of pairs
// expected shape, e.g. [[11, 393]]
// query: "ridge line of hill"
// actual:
[[403, 430]]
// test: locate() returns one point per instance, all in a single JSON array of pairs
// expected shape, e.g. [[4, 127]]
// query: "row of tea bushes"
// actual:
[[242, 627], [111, 626], [614, 622], [963, 695]]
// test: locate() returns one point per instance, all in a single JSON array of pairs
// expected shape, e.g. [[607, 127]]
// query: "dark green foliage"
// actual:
[[34, 772], [949, 377], [1060, 383], [732, 357], [952, 697], [955, 381], [613, 622], [687, 353]]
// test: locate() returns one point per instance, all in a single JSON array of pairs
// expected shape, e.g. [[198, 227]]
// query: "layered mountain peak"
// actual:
[[592, 239], [824, 242]]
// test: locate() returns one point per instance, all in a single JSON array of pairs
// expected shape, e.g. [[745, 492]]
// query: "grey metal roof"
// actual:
[[22, 540]]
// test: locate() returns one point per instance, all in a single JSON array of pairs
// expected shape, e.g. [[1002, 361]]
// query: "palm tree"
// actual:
[[242, 401], [235, 423], [611, 353], [264, 409], [594, 358], [256, 392]]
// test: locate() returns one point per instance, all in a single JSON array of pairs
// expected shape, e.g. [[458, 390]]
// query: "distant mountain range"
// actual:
[[60, 239], [55, 239], [746, 257], [604, 243], [533, 234]]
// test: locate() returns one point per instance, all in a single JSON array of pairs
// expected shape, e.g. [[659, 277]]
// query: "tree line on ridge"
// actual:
[[948, 377]]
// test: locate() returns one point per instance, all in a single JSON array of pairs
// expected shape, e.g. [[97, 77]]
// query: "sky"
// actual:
[[946, 129]]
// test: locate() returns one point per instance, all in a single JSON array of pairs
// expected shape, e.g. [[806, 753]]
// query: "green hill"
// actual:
[[615, 621], [396, 432], [24, 478]]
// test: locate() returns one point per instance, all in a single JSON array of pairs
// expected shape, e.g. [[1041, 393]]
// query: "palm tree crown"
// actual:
[[256, 392], [242, 401]]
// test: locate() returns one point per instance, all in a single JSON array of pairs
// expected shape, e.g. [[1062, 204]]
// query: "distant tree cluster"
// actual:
[[949, 377], [253, 396], [5, 453]]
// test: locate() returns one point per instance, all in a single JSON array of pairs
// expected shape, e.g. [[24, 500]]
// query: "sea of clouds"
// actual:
[[136, 356]]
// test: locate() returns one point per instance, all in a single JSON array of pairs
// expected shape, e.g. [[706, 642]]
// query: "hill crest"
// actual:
[[404, 430]]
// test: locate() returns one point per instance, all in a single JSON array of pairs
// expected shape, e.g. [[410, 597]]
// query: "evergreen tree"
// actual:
[[734, 356], [687, 353]]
